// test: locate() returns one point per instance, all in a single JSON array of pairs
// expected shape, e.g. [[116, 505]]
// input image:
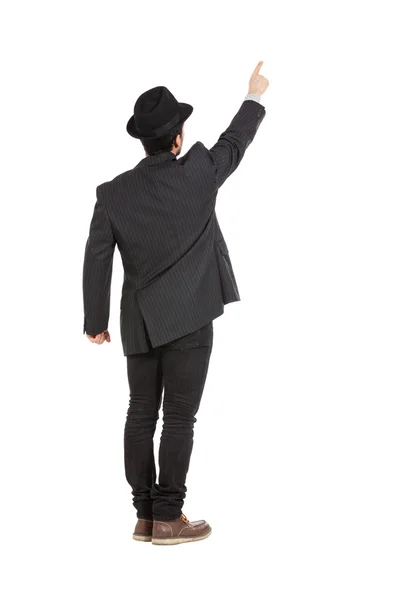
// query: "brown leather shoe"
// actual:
[[180, 530], [143, 530]]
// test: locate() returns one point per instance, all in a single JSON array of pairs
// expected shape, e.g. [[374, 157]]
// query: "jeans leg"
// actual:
[[145, 384], [185, 365]]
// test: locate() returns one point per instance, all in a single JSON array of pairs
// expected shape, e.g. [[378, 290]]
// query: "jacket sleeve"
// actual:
[[97, 270], [229, 150]]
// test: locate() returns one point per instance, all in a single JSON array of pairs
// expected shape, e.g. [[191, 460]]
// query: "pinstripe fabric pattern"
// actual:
[[161, 214]]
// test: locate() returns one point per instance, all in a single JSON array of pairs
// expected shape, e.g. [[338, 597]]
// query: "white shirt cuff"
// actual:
[[256, 97]]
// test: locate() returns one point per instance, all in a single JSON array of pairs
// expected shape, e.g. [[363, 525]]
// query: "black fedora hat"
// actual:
[[156, 113]]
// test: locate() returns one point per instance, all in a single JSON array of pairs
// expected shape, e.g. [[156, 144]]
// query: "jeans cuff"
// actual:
[[167, 518]]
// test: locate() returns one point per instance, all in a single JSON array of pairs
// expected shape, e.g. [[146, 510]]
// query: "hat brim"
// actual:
[[185, 110]]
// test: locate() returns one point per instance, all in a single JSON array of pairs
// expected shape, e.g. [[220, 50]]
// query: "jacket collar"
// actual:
[[156, 158]]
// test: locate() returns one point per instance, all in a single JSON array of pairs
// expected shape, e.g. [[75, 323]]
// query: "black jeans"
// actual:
[[179, 368]]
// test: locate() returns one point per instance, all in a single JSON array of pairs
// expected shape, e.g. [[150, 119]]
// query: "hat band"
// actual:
[[164, 129]]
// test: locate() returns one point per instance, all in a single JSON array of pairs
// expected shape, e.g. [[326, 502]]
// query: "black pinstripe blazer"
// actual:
[[161, 214]]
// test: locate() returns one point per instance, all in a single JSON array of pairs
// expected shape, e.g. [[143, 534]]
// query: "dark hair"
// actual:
[[162, 144]]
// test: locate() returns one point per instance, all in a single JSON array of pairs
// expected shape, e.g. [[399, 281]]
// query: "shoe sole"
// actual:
[[177, 540], [141, 538]]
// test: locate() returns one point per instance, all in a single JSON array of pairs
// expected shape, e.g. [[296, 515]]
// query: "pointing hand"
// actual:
[[258, 83]]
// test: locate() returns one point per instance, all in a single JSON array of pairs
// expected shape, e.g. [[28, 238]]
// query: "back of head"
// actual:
[[162, 144]]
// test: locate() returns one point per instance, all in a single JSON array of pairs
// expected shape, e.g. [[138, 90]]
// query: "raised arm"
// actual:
[[233, 142]]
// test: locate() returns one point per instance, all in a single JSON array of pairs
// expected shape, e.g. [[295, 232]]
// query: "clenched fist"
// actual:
[[258, 83], [100, 338]]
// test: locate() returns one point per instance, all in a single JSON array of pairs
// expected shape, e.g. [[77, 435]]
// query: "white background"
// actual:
[[296, 456]]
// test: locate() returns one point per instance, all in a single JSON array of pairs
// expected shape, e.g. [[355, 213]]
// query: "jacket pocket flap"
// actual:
[[222, 246]]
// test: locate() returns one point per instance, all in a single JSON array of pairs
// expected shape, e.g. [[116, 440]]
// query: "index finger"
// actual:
[[258, 67]]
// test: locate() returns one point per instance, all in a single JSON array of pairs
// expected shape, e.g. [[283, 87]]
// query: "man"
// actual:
[[177, 278]]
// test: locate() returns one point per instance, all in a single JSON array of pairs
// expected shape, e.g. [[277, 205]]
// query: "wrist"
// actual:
[[253, 96]]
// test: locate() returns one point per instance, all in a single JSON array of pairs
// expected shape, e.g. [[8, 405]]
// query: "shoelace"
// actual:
[[184, 518]]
